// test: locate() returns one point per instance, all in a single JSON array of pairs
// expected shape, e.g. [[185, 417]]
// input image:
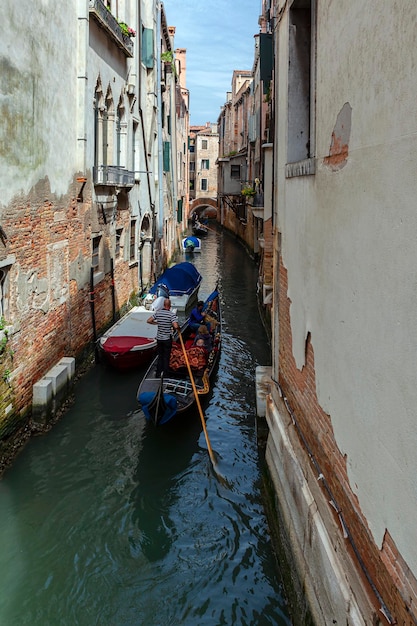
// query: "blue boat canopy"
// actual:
[[191, 241], [182, 278]]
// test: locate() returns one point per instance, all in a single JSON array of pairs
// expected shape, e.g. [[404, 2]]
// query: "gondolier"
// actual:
[[166, 320]]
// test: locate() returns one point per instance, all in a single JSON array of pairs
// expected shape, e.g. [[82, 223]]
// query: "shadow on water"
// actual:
[[109, 521]]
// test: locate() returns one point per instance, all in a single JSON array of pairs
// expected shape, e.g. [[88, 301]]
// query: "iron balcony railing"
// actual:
[[106, 20], [113, 175]]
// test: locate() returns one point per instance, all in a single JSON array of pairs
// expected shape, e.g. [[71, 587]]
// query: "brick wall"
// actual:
[[49, 289]]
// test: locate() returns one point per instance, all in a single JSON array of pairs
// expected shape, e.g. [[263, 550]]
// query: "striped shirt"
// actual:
[[165, 318]]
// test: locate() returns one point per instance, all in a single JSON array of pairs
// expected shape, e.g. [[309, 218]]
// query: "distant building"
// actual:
[[203, 148]]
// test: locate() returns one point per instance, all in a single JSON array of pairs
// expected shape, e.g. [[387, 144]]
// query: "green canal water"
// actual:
[[108, 521]]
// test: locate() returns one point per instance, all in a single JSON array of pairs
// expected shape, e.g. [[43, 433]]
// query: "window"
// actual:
[[192, 166], [132, 249], [179, 210], [204, 144], [121, 136], [147, 47], [119, 232], [109, 133], [192, 186], [204, 184], [301, 79], [235, 171], [99, 124], [205, 164], [166, 156], [95, 254]]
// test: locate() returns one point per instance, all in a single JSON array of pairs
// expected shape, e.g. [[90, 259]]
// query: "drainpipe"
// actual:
[[82, 96], [159, 125]]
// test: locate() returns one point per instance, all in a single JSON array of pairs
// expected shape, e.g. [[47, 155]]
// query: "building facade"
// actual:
[[245, 179], [203, 147], [342, 393], [89, 209]]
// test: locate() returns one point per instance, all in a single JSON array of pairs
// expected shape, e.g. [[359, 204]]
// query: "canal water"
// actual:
[[109, 521]]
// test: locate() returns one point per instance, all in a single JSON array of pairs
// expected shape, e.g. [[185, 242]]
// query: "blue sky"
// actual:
[[218, 36]]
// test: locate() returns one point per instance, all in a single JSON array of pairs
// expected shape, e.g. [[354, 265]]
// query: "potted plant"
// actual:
[[127, 30], [248, 191]]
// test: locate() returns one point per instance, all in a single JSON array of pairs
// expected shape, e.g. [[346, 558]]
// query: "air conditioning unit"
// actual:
[[131, 89]]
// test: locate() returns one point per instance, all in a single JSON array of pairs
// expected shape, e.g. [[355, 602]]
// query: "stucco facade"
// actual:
[[341, 410]]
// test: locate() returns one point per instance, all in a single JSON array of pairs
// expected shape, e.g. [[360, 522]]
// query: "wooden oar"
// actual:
[[197, 399], [212, 230]]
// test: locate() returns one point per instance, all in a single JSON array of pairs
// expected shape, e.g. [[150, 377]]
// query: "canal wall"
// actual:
[[321, 576]]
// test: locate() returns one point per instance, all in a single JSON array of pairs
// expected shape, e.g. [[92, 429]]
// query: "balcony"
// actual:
[[257, 204], [107, 22], [113, 176]]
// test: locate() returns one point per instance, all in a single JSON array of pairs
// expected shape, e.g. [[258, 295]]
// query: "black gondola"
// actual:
[[163, 398]]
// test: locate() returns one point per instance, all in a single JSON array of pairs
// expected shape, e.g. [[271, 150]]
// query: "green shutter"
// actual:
[[179, 211], [166, 156], [147, 47]]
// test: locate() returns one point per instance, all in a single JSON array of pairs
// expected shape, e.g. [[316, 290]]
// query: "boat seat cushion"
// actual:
[[197, 358]]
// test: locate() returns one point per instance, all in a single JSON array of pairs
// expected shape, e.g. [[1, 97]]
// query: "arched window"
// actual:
[[110, 126], [121, 135], [99, 124]]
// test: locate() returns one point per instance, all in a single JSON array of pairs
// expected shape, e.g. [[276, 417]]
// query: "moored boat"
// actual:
[[191, 244], [181, 282], [130, 342], [161, 399]]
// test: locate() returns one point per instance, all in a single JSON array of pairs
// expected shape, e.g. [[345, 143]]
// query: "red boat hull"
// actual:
[[125, 353]]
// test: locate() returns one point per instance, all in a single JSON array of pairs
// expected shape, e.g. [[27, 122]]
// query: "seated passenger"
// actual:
[[203, 336]]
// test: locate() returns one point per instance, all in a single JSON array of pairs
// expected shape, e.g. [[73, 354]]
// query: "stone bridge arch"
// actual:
[[199, 204]]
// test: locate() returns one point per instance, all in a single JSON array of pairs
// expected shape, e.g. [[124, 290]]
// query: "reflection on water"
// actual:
[[109, 521]]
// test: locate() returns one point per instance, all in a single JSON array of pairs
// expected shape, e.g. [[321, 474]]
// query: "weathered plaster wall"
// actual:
[[347, 239], [37, 133]]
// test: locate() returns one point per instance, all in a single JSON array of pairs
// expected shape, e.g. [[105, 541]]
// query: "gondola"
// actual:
[[162, 399], [199, 229]]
